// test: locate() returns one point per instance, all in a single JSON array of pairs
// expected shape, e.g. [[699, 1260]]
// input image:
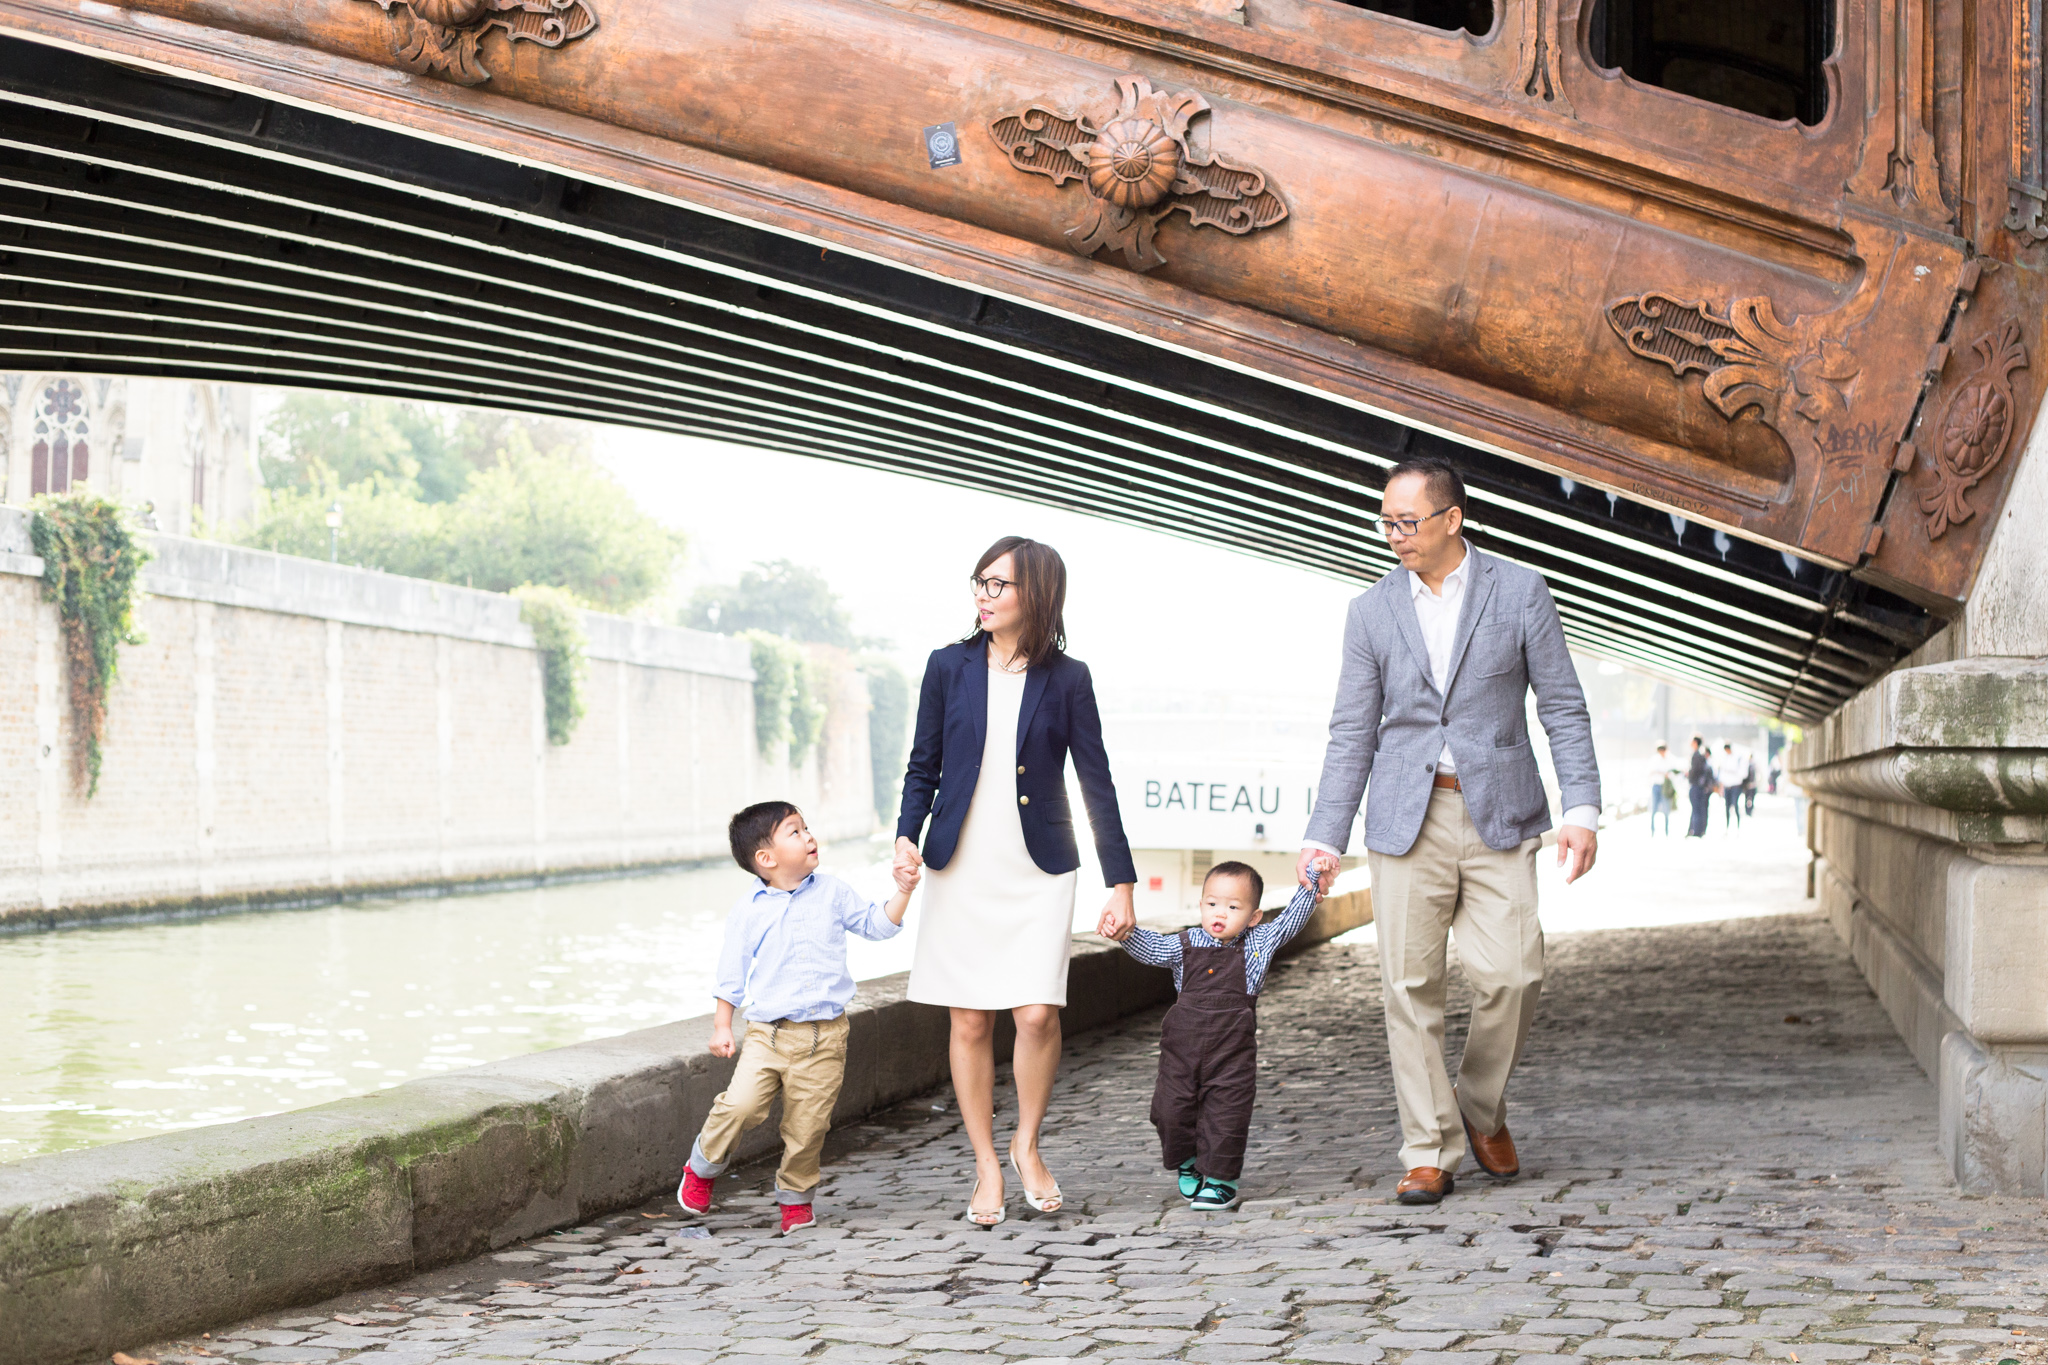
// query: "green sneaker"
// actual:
[[1214, 1196], [1189, 1181]]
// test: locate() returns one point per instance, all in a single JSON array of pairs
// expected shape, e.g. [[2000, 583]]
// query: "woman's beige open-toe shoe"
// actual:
[[1044, 1203], [984, 1218]]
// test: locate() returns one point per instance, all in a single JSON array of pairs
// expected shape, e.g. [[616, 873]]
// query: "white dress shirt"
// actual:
[[1437, 613]]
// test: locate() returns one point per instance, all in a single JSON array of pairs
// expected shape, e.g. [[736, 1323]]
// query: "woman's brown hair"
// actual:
[[1042, 588]]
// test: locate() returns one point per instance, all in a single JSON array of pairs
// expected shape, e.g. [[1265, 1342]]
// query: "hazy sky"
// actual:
[[1146, 611]]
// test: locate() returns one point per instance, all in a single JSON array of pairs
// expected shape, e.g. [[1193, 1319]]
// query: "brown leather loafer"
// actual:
[[1496, 1154], [1424, 1185]]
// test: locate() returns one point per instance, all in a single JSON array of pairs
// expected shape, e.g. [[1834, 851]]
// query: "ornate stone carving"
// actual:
[[440, 37], [1138, 167], [1751, 359], [1975, 430]]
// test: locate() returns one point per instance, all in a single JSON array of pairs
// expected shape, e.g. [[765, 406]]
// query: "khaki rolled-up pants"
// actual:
[[805, 1063], [1450, 880]]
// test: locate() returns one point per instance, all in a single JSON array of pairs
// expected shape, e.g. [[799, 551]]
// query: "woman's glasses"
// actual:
[[989, 587]]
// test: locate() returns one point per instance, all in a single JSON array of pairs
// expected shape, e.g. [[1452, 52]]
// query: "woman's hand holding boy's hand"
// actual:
[[721, 1040], [1120, 916], [908, 875], [907, 854]]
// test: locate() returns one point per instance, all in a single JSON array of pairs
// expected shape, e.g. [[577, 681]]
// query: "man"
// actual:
[[1699, 781], [1438, 659], [1729, 771]]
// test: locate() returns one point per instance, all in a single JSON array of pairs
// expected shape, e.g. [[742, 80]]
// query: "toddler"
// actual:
[[1209, 1045]]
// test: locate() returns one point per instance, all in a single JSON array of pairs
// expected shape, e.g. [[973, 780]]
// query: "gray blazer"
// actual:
[[1390, 724]]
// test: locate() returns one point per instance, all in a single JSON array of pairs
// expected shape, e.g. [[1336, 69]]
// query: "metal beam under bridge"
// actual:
[[158, 226]]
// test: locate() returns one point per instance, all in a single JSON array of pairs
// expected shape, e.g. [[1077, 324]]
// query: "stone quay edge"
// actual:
[[112, 1246]]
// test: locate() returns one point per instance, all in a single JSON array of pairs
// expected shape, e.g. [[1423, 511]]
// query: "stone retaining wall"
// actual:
[[296, 731], [114, 1246]]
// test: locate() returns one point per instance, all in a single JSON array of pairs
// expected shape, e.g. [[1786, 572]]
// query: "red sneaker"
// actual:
[[694, 1194], [795, 1217]]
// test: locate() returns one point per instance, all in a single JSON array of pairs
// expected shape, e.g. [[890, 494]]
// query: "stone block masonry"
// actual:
[[1929, 830], [294, 731]]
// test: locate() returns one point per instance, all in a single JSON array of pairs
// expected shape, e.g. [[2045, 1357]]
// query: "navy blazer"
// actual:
[[1058, 715]]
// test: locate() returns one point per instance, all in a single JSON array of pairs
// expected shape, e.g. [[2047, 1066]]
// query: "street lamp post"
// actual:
[[334, 533]]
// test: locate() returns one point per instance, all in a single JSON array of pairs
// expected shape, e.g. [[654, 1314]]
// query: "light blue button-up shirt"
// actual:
[[785, 951]]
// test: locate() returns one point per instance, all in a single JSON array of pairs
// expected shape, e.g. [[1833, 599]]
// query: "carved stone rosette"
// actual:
[[440, 37], [1751, 359], [1975, 430], [1138, 167]]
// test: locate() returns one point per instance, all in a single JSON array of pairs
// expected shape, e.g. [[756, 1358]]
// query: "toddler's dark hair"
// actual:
[[753, 828], [1239, 870]]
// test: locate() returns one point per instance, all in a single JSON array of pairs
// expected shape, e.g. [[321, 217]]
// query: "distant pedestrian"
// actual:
[[1729, 770], [784, 965], [1699, 781], [1209, 1044], [1663, 791], [1749, 783]]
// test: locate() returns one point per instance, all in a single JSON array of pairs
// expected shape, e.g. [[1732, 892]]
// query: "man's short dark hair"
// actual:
[[1239, 870], [753, 829], [1440, 477]]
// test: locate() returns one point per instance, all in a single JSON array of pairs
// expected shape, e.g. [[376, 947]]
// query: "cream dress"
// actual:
[[995, 928]]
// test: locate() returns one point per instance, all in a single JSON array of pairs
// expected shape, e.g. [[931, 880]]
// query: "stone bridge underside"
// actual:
[[1686, 377]]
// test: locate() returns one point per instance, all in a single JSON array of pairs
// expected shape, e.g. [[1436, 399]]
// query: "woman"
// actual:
[[996, 717]]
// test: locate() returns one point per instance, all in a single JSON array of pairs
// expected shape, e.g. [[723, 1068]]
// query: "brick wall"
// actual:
[[293, 729]]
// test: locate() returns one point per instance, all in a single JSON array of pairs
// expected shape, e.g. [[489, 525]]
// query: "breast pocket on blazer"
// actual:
[[1495, 651]]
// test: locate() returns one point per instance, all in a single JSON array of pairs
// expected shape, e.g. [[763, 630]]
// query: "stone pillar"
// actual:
[[1929, 828]]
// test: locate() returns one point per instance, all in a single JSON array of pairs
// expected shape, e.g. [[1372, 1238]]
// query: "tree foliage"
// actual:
[[780, 597], [91, 566], [430, 448], [489, 500]]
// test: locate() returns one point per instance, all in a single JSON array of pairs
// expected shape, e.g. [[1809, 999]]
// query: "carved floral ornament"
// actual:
[[440, 37], [1752, 359], [1975, 430], [1138, 167]]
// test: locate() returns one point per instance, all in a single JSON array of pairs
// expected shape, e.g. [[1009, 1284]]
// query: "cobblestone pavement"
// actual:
[[1727, 1154]]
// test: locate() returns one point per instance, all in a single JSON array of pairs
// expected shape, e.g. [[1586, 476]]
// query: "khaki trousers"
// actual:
[[805, 1064], [1451, 880]]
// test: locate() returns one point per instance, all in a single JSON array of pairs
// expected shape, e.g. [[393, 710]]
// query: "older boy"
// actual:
[[1209, 1044], [784, 966]]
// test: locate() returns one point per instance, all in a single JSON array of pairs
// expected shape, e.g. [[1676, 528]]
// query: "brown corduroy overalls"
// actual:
[[1208, 1063]]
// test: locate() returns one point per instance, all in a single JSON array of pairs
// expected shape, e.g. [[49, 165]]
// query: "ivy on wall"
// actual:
[[91, 566], [789, 701], [888, 730], [557, 621]]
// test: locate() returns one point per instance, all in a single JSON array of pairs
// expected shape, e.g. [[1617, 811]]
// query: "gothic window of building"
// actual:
[[1763, 57], [61, 455]]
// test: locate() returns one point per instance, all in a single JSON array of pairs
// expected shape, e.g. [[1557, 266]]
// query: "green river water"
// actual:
[[128, 1030]]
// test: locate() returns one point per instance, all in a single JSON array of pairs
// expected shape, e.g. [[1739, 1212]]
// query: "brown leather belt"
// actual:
[[1448, 781]]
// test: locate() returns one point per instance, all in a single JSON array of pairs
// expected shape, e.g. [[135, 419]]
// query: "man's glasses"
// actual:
[[993, 587], [1406, 526]]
